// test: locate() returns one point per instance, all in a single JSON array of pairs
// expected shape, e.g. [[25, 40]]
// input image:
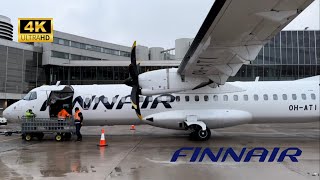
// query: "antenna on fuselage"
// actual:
[[257, 79], [58, 83]]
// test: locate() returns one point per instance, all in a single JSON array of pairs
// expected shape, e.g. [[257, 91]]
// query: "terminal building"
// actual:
[[73, 59]]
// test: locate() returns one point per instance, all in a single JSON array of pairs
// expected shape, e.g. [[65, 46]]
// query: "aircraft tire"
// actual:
[[201, 135]]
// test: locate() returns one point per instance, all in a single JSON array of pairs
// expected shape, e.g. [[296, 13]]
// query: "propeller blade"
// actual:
[[134, 70], [135, 100]]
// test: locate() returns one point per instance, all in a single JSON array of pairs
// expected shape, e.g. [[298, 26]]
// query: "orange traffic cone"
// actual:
[[133, 127], [103, 141]]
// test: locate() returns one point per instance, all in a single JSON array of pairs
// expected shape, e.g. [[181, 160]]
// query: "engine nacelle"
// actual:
[[166, 81], [213, 118]]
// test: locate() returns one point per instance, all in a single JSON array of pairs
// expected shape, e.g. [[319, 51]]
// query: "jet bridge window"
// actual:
[[275, 97], [284, 97], [294, 96], [178, 98], [196, 98], [235, 97], [265, 97], [206, 98], [187, 98], [245, 97], [303, 96], [215, 97], [225, 97], [313, 96], [256, 97]]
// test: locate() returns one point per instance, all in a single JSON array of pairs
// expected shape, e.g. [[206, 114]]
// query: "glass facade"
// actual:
[[93, 75], [20, 70], [90, 47], [289, 55]]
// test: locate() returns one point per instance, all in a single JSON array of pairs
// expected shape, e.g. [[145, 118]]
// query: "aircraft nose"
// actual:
[[6, 113]]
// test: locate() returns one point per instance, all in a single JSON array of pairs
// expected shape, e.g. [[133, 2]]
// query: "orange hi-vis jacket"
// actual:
[[77, 117], [63, 114]]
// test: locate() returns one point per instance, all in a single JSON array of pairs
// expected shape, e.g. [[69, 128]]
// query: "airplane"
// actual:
[[195, 96]]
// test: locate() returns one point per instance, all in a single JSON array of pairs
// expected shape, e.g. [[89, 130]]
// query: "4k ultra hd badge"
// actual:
[[35, 29]]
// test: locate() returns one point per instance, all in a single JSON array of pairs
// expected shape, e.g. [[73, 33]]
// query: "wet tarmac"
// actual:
[[146, 152]]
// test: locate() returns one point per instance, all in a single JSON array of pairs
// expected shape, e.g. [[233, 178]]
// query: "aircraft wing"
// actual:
[[233, 33]]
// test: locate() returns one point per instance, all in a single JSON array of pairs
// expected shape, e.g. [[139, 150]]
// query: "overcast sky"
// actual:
[[150, 22]]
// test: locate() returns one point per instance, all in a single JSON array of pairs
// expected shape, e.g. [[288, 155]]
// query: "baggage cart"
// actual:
[[38, 127]]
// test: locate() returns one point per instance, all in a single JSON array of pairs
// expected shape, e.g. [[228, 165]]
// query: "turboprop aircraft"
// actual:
[[195, 96]]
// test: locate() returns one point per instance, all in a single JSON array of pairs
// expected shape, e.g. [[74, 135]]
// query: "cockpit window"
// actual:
[[27, 97], [31, 96]]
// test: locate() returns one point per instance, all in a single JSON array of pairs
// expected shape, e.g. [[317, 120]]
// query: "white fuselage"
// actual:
[[232, 104]]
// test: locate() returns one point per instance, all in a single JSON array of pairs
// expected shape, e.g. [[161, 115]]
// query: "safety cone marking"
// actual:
[[102, 139]]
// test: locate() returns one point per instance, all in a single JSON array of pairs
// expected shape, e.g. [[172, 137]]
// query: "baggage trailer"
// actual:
[[38, 127]]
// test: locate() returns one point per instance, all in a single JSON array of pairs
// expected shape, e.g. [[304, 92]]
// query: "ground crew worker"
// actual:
[[78, 118], [29, 114], [63, 114]]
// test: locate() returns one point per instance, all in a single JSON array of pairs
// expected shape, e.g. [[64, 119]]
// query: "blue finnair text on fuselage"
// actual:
[[243, 156], [103, 100]]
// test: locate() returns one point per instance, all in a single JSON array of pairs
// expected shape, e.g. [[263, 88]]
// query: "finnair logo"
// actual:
[[198, 154], [116, 102]]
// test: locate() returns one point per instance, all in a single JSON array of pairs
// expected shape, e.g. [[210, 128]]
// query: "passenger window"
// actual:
[[284, 97], [256, 97], [33, 95], [313, 96], [178, 98], [294, 96], [123, 100], [265, 97], [245, 97], [150, 99], [196, 98], [206, 98], [275, 97], [140, 99], [114, 99], [215, 97], [225, 97], [187, 98], [303, 96], [235, 97], [96, 100], [105, 100]]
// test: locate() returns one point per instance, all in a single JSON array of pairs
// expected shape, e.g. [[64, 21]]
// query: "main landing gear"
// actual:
[[197, 134]]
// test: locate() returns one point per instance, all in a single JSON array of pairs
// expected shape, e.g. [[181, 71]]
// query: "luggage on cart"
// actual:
[[38, 127]]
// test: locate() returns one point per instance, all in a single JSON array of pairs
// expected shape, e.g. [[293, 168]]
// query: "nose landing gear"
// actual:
[[198, 134]]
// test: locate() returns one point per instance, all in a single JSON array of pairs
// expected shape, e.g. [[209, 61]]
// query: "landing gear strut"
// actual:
[[200, 135]]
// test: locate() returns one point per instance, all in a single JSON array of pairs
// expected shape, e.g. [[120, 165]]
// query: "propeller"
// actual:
[[133, 81]]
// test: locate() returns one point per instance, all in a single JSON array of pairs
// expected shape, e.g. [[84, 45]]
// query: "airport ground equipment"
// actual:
[[38, 127]]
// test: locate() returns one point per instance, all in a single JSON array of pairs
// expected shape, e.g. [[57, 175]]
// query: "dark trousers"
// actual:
[[78, 127]]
